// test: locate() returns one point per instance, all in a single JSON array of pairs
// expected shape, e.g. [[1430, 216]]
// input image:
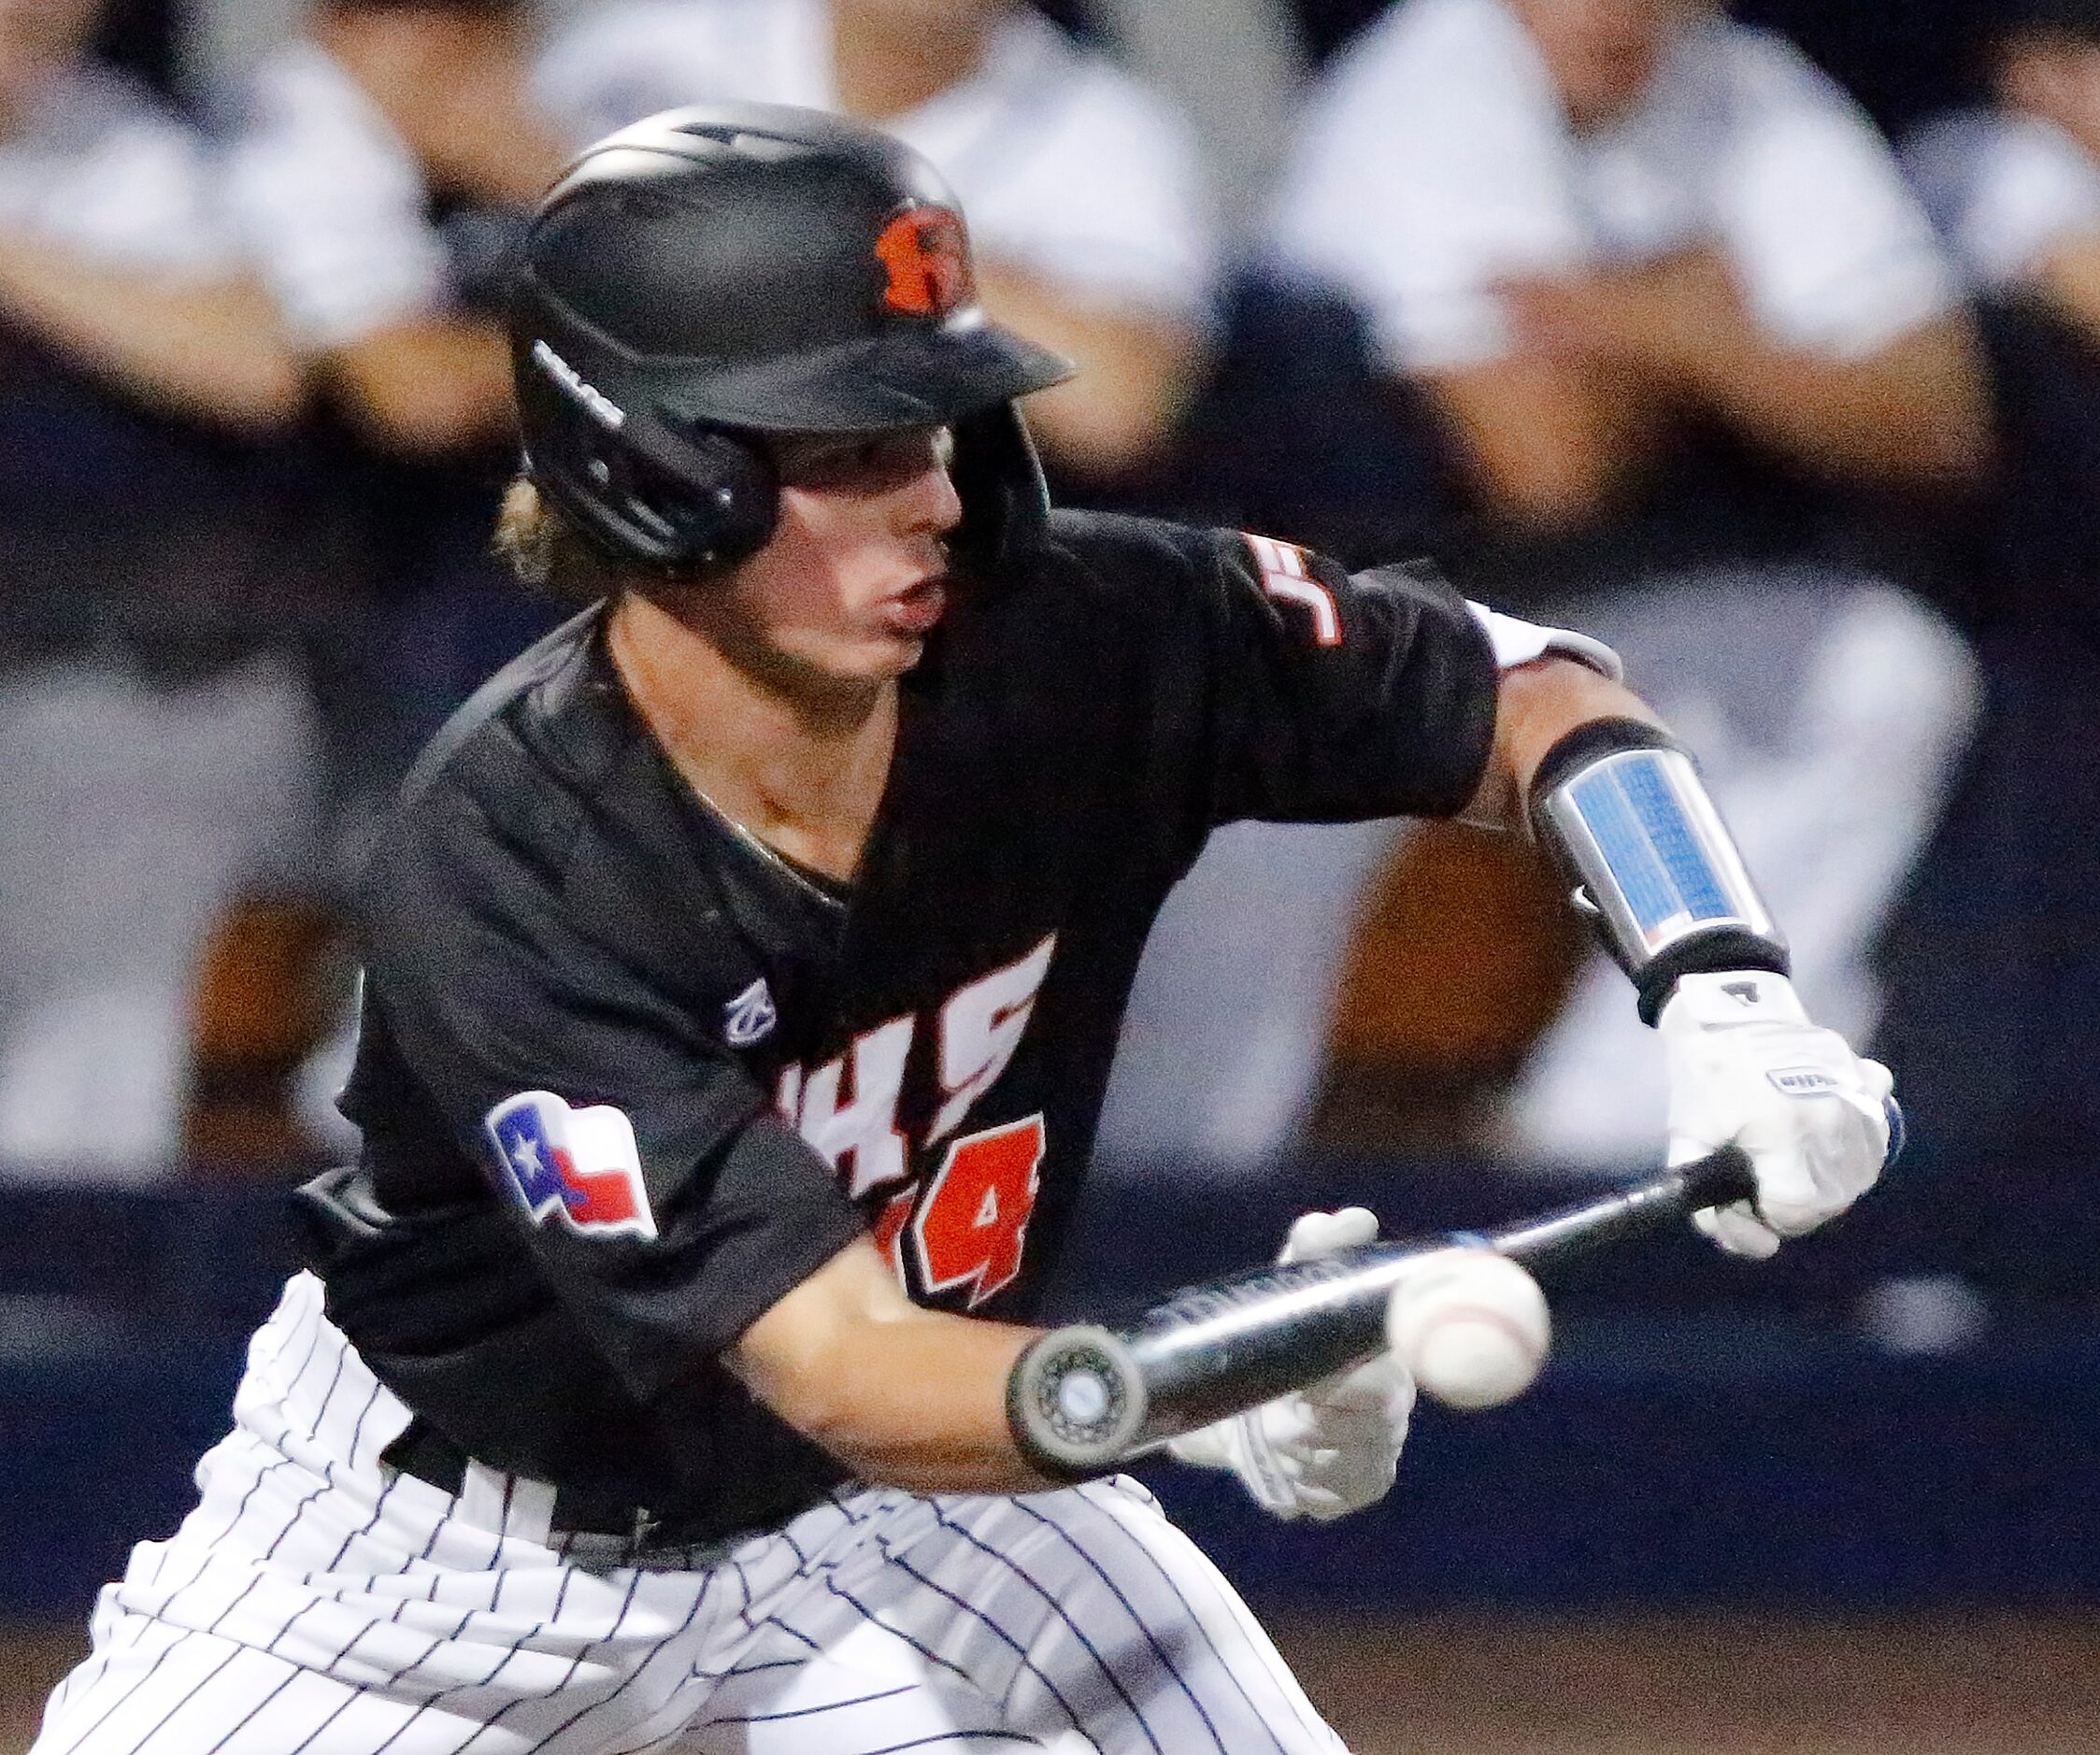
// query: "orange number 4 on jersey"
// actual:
[[971, 1225]]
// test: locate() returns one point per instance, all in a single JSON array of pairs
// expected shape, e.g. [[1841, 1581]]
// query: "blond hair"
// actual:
[[545, 551]]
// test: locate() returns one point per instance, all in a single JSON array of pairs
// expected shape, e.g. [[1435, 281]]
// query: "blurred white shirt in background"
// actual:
[[103, 167], [1438, 159], [2003, 189], [1066, 166], [332, 204]]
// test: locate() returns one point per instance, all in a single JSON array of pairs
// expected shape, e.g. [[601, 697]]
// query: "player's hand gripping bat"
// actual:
[[1084, 1398]]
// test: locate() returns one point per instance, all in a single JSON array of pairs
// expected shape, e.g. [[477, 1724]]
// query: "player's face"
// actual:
[[1603, 54], [856, 575]]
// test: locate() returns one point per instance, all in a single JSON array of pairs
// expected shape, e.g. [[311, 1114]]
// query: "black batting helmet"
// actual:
[[717, 274]]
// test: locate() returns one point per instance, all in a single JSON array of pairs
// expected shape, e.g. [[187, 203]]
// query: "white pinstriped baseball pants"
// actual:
[[318, 1603]]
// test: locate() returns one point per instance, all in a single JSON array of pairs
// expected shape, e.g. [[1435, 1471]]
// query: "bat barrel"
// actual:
[[1083, 1398], [1200, 1364], [1077, 1402]]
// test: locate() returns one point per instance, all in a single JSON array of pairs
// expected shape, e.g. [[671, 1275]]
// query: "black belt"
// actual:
[[429, 1455]]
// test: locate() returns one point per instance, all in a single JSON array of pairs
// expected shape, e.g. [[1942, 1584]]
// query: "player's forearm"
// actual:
[[1538, 704], [923, 1406], [1913, 415], [902, 1396], [211, 350]]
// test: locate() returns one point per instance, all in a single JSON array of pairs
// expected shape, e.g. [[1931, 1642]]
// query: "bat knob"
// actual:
[[1075, 1401], [1725, 1176], [1721, 1179]]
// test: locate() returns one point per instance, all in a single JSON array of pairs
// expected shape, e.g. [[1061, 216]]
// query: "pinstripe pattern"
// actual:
[[315, 1603]]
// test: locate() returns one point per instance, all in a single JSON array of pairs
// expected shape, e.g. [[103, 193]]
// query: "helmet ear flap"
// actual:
[[999, 480], [672, 501], [716, 494]]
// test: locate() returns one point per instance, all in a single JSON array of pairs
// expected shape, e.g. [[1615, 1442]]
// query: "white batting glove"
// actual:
[[1745, 1064], [1331, 1447]]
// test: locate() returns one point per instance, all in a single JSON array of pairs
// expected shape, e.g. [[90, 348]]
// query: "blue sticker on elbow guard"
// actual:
[[1649, 848]]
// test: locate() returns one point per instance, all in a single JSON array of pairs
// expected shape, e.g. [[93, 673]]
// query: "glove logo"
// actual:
[[1743, 991], [579, 1165], [1803, 1082]]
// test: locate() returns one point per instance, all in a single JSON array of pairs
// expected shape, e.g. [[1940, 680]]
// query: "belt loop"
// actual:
[[484, 1497], [531, 1517]]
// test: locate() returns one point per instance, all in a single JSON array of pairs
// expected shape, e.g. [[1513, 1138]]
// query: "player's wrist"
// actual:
[[1724, 998], [1619, 807], [1714, 957]]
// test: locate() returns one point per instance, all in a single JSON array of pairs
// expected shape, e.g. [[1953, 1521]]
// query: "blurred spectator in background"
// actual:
[[381, 164], [1573, 220], [381, 167], [359, 139], [1091, 223], [1673, 312], [2015, 189], [154, 733]]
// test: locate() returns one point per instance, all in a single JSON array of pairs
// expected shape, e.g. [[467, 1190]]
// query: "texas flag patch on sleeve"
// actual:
[[579, 1165]]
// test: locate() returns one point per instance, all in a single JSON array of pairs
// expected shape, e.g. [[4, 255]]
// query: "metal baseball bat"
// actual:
[[1083, 1398]]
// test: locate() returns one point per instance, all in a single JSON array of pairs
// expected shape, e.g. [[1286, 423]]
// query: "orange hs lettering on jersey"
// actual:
[[967, 1225]]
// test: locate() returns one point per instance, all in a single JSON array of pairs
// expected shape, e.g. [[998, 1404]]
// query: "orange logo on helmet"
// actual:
[[927, 255]]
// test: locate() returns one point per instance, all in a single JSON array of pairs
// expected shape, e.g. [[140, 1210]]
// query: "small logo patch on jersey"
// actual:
[[1803, 1082], [1286, 573], [579, 1164], [751, 1015]]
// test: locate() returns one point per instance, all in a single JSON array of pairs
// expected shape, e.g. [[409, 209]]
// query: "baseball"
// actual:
[[1471, 1325]]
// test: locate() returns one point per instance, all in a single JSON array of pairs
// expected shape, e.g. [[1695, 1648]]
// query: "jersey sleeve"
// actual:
[[530, 1026], [1331, 696]]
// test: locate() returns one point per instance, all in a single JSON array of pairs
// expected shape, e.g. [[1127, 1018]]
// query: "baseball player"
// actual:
[[743, 966]]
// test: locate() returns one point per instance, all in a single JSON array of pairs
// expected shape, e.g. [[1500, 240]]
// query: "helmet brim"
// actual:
[[915, 376]]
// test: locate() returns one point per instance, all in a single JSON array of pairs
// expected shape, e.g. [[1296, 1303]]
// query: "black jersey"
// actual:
[[626, 1076]]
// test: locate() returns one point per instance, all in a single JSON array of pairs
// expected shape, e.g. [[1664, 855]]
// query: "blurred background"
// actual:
[[1765, 344]]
